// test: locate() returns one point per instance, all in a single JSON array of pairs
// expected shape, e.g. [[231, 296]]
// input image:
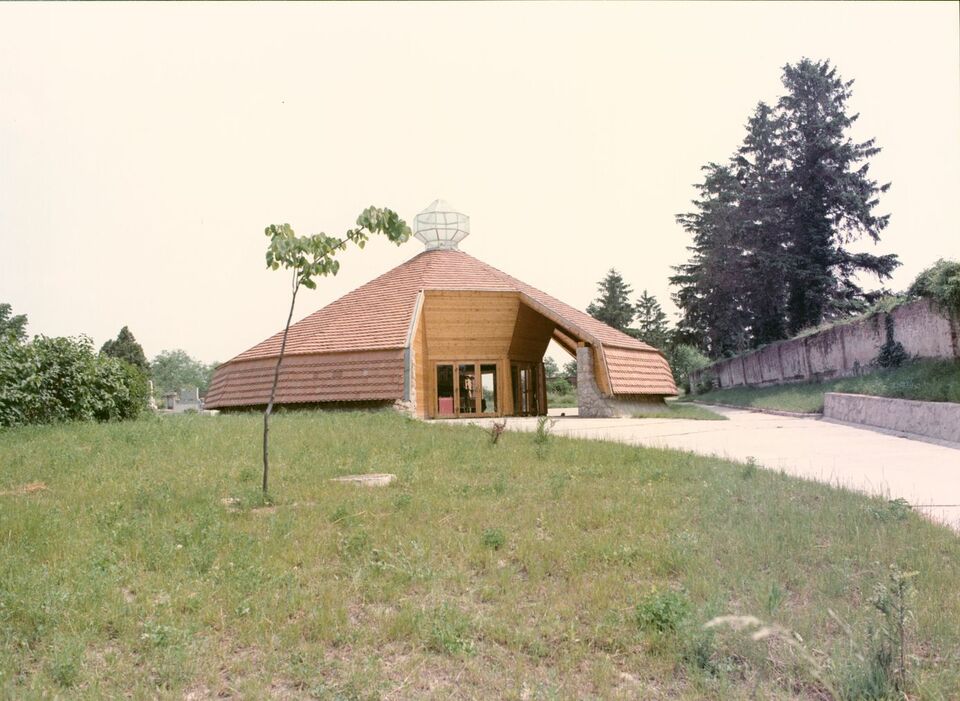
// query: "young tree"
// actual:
[[308, 257], [12, 328], [125, 347], [569, 369], [651, 321], [832, 196], [613, 306]]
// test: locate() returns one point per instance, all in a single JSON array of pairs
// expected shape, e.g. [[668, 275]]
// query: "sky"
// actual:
[[145, 147]]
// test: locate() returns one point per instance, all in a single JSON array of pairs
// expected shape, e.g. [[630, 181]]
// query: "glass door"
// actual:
[[466, 389], [526, 389]]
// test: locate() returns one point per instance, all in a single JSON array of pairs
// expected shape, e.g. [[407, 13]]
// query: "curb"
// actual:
[[758, 410]]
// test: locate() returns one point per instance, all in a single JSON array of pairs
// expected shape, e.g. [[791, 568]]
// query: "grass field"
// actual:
[[562, 401], [928, 380], [565, 569]]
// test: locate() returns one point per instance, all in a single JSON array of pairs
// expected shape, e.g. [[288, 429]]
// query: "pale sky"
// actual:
[[144, 148]]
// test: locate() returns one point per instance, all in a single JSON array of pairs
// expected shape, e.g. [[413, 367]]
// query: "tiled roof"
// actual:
[[329, 377], [329, 353], [634, 371], [377, 315]]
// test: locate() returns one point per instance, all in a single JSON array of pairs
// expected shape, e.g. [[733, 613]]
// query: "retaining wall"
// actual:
[[940, 420], [841, 351]]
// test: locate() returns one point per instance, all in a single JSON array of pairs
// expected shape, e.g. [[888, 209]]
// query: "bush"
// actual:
[[559, 385], [941, 283], [49, 380], [892, 353], [683, 360]]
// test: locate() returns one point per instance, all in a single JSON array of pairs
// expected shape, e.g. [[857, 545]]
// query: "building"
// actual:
[[445, 335]]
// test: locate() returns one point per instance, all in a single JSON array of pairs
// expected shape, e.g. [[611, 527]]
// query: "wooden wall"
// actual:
[[475, 326]]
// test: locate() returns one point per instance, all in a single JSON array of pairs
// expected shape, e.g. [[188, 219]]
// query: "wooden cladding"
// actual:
[[475, 334]]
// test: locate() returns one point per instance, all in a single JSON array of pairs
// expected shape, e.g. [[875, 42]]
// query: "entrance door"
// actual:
[[466, 389], [526, 389]]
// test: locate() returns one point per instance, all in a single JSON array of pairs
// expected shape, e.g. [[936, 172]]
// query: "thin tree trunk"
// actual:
[[273, 391]]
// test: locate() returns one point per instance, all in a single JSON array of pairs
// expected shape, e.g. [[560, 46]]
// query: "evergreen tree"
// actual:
[[771, 229], [125, 347], [711, 285], [760, 164], [832, 197], [651, 321], [613, 306]]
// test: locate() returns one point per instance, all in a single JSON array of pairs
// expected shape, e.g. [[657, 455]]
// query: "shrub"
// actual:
[[559, 385], [49, 380], [941, 283], [683, 360], [892, 353]]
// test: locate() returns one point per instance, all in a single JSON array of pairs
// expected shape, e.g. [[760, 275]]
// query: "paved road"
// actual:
[[926, 475]]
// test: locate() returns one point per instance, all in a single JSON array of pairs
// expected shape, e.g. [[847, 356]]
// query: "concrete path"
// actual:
[[926, 475]]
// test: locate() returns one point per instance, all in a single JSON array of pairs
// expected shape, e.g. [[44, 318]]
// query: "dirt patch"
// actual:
[[30, 488]]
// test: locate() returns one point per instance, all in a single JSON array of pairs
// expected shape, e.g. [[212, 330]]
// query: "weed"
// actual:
[[542, 435], [662, 611], [893, 510], [448, 631], [893, 600], [775, 597], [64, 664], [493, 538], [496, 430], [750, 469]]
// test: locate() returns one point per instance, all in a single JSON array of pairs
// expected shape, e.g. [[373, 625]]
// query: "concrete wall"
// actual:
[[844, 350], [940, 420], [593, 403]]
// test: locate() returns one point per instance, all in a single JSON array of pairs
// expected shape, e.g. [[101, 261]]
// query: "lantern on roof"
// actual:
[[440, 226]]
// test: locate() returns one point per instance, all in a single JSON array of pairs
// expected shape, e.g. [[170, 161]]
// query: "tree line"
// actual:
[[50, 379], [645, 320], [771, 227]]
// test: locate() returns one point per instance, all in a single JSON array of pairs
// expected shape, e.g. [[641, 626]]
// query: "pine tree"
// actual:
[[711, 285], [770, 229], [832, 197], [760, 165], [651, 321], [125, 347], [613, 306]]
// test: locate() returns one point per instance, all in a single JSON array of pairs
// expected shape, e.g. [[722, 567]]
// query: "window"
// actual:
[[488, 384]]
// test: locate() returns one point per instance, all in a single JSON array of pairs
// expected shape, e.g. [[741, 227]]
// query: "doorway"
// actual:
[[467, 388], [526, 388]]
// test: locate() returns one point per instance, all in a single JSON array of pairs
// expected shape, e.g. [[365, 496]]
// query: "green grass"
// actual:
[[585, 570], [674, 410], [562, 401], [927, 380]]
